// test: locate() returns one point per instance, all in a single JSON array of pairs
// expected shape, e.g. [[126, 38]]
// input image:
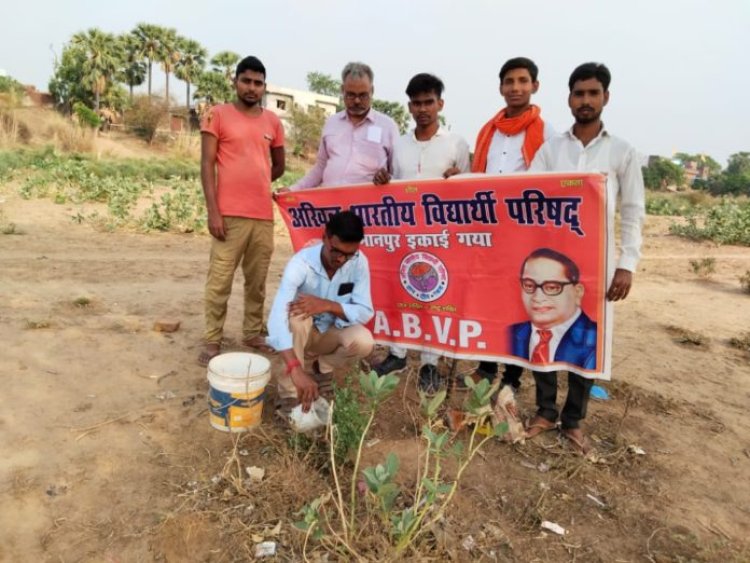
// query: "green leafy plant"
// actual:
[[725, 223], [86, 116], [404, 514], [348, 420]]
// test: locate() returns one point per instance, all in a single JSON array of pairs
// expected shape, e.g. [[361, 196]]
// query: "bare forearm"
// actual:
[[208, 181]]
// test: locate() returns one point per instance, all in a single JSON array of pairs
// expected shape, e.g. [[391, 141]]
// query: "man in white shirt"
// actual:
[[319, 312], [429, 151], [587, 146], [506, 144]]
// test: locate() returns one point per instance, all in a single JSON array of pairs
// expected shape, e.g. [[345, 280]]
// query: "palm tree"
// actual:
[[133, 70], [190, 66], [225, 62], [149, 40], [213, 87], [102, 60], [169, 54]]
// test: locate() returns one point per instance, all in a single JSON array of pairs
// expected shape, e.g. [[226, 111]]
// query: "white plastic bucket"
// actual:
[[237, 384]]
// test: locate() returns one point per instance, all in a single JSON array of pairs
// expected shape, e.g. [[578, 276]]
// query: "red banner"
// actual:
[[505, 268]]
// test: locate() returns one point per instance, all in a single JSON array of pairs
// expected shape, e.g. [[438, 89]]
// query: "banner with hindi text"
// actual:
[[502, 268]]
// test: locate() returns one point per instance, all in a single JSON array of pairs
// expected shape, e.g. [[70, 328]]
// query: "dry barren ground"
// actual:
[[107, 454]]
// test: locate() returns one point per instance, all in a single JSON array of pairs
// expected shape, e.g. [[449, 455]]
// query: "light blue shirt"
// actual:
[[305, 273]]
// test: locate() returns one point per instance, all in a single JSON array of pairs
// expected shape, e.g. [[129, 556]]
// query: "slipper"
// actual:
[[537, 425], [324, 381], [582, 445], [207, 355], [259, 343]]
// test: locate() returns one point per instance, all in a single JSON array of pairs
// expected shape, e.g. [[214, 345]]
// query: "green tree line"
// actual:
[[662, 173], [102, 69]]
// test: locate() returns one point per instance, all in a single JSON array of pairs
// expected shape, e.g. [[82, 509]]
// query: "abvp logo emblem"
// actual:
[[423, 276]]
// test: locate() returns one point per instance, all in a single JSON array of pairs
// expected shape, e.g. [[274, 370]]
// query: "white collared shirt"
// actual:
[[305, 273], [414, 159], [617, 160], [505, 156], [558, 331]]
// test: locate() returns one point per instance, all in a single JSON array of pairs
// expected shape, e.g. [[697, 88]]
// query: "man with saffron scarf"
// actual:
[[506, 144]]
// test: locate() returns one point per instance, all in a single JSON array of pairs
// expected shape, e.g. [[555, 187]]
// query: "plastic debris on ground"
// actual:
[[255, 473], [600, 393], [265, 549], [553, 527]]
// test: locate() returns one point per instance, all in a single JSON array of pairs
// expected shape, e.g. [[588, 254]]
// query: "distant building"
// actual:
[[695, 170], [281, 100], [33, 97]]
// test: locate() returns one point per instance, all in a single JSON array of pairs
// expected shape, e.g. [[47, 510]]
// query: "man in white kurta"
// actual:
[[589, 147], [429, 151]]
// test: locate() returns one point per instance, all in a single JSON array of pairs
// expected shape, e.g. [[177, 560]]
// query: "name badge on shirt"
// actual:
[[374, 133]]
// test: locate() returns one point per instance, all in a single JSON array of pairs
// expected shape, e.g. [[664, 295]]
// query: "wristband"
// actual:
[[291, 365]]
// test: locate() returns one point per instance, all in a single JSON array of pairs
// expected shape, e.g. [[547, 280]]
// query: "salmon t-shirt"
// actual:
[[243, 164]]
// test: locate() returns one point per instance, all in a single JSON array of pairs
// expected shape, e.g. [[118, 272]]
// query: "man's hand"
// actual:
[[381, 177], [216, 226], [621, 284], [307, 389], [308, 305], [452, 171]]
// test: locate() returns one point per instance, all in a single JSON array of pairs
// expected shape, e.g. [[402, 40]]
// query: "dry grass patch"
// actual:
[[687, 337]]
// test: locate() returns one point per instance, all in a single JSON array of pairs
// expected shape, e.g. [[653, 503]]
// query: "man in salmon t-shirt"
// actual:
[[236, 172]]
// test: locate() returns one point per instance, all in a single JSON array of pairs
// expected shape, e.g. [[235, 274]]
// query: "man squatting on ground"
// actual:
[[318, 315], [588, 146], [236, 139], [506, 144], [429, 151]]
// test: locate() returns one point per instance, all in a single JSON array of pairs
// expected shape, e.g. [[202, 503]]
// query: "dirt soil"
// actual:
[[107, 453]]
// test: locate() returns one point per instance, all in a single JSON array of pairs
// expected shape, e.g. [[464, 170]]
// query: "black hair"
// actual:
[[424, 83], [587, 71], [571, 269], [250, 63], [347, 226], [520, 62]]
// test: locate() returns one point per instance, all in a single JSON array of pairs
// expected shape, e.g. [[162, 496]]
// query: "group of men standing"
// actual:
[[324, 296]]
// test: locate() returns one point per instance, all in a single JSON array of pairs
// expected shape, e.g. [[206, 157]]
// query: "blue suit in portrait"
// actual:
[[577, 346]]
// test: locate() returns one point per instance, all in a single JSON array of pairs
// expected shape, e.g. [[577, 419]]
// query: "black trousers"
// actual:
[[574, 410], [511, 375]]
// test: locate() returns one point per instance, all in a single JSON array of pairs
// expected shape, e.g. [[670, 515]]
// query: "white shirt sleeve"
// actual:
[[462, 156], [542, 160], [632, 210]]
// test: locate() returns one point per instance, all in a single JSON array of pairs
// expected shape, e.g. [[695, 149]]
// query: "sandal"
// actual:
[[259, 343], [578, 441], [324, 381], [211, 350], [537, 425]]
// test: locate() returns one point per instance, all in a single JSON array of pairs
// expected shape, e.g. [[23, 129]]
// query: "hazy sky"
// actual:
[[681, 76]]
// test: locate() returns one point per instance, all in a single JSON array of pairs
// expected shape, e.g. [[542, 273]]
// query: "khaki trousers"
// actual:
[[250, 242], [334, 348]]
